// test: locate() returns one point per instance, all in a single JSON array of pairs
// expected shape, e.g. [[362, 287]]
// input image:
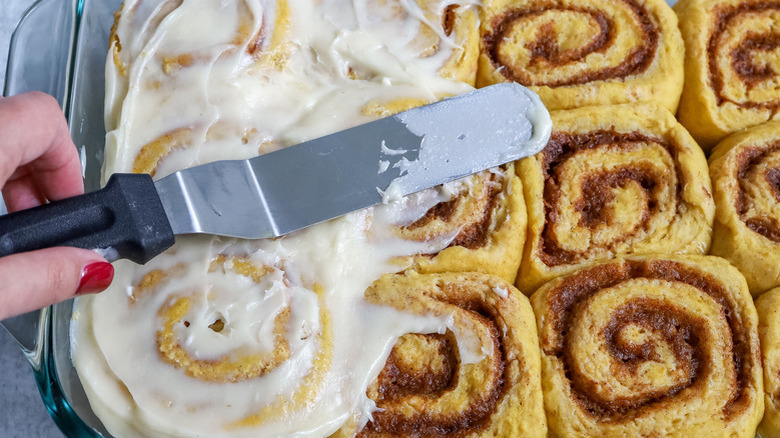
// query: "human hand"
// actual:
[[39, 163]]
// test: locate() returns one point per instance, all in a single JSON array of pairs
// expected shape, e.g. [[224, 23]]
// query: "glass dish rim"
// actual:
[[35, 331]]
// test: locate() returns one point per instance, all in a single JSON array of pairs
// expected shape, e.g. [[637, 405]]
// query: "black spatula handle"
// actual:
[[126, 216]]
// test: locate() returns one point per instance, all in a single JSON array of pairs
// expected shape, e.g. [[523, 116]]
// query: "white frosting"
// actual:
[[516, 128], [501, 291], [226, 105]]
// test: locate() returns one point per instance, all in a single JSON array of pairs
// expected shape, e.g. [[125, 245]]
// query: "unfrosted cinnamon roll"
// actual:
[[768, 307], [576, 53], [613, 180], [731, 67], [479, 378], [650, 347], [745, 169]]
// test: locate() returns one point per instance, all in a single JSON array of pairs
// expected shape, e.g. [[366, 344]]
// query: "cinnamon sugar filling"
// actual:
[[593, 204]]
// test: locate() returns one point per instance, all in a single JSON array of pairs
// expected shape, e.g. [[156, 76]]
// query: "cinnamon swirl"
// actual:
[[479, 378], [731, 67], [745, 169], [623, 179], [650, 347], [575, 53], [768, 307]]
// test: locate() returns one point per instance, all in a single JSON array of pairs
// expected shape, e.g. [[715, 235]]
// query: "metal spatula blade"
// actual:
[[321, 179], [295, 187]]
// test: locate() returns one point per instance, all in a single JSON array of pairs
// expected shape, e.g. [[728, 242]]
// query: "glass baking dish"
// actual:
[[60, 47]]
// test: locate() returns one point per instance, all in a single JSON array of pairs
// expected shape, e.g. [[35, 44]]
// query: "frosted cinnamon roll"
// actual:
[[576, 53], [256, 28], [167, 91], [244, 32], [768, 307], [613, 180], [213, 327], [414, 36], [482, 218], [479, 378], [731, 70], [650, 347], [745, 169]]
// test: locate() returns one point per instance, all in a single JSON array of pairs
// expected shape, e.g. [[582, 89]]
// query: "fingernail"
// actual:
[[95, 277]]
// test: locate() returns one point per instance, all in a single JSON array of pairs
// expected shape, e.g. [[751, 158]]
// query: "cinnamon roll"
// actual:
[[482, 218], [257, 31], [575, 53], [768, 307], [479, 378], [650, 347], [212, 330], [745, 169], [613, 180], [731, 70], [442, 36]]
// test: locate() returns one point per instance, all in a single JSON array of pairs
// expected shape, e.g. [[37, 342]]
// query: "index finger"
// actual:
[[34, 134]]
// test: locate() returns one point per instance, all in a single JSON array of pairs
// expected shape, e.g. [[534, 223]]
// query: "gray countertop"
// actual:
[[22, 413]]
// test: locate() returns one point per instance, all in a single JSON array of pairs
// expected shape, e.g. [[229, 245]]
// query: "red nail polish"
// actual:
[[95, 277]]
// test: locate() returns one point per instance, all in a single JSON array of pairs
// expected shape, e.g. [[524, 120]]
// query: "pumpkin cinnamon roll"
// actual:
[[576, 53], [439, 37], [731, 67], [768, 307], [480, 220], [650, 347], [478, 378], [257, 30], [745, 169], [214, 328], [613, 180]]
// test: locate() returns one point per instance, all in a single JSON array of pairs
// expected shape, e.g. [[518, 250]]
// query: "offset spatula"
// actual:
[[283, 191]]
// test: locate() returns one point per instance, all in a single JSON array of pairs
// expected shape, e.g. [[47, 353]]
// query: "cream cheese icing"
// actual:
[[225, 337]]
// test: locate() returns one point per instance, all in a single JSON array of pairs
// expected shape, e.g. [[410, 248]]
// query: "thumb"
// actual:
[[36, 279]]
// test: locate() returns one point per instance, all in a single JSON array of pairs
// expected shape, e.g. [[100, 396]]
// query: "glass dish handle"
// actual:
[[38, 60]]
